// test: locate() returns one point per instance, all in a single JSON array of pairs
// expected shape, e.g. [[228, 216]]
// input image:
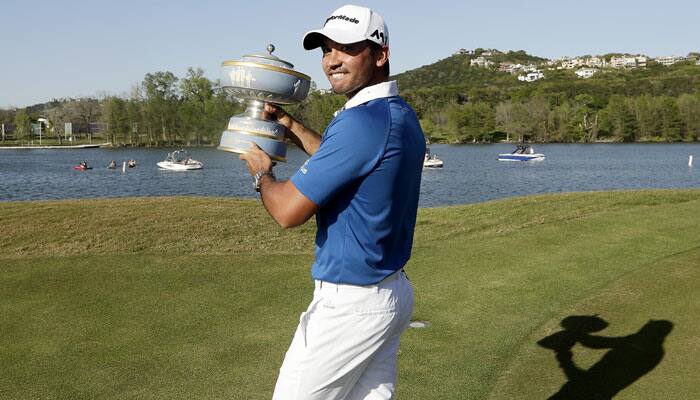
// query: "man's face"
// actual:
[[349, 67]]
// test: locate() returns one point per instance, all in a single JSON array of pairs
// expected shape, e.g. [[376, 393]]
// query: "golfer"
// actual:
[[362, 182]]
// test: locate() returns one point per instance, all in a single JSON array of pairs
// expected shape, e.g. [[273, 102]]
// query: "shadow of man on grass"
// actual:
[[629, 358]]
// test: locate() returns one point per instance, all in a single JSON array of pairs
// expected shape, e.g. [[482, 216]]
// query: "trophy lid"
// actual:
[[268, 58]]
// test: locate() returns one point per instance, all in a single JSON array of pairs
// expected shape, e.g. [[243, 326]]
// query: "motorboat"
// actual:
[[431, 161], [522, 153], [180, 160]]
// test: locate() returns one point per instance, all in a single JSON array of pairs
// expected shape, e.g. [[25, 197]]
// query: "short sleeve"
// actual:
[[351, 147]]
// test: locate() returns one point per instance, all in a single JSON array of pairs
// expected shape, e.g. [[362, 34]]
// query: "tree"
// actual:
[[618, 120], [117, 119], [671, 123], [161, 104], [57, 115], [85, 110], [647, 115], [23, 121], [196, 90], [689, 110]]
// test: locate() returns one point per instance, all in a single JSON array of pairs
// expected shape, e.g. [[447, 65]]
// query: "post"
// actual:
[[690, 161], [124, 167]]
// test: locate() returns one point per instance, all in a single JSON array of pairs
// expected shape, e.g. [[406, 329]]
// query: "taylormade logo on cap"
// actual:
[[350, 24], [343, 17]]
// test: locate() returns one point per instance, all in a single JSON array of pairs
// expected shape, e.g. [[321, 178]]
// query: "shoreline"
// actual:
[[73, 147]]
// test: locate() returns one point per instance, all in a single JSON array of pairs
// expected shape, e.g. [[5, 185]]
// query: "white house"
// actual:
[[531, 76], [481, 62], [623, 62], [572, 63], [594, 62], [586, 73], [668, 60], [464, 51]]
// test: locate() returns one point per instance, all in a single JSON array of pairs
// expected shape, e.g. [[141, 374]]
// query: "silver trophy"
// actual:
[[259, 79]]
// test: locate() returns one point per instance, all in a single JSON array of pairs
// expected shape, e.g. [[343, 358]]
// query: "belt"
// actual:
[[394, 276]]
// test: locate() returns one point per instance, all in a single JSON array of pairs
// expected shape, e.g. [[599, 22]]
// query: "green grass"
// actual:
[[179, 298]]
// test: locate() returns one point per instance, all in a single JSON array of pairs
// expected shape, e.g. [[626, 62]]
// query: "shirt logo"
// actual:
[[303, 168]]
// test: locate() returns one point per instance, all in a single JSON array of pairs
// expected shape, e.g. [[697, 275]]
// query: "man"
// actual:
[[362, 182]]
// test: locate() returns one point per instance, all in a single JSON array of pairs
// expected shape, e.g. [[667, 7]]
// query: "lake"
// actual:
[[471, 173]]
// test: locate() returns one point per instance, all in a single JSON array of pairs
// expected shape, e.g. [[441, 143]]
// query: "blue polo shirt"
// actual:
[[365, 178]]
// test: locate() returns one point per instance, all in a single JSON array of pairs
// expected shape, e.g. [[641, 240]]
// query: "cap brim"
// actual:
[[314, 39]]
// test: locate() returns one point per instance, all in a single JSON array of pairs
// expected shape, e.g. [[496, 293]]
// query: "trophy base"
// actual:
[[240, 142]]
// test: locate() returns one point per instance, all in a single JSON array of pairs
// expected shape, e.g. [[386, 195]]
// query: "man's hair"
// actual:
[[375, 47]]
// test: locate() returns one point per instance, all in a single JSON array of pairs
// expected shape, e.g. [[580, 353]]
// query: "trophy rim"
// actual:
[[265, 66]]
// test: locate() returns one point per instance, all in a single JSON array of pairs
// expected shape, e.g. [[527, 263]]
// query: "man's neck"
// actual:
[[374, 81]]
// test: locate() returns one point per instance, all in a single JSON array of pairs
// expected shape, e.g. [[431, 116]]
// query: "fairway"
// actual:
[[190, 297]]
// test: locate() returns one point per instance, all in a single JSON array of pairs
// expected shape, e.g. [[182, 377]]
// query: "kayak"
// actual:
[[81, 168]]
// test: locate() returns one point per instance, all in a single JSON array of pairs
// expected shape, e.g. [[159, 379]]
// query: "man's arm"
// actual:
[[305, 138], [282, 200], [285, 203]]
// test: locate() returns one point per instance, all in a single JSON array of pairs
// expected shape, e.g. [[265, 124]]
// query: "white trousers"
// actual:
[[346, 344]]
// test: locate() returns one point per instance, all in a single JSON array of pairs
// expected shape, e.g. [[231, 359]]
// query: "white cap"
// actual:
[[350, 24]]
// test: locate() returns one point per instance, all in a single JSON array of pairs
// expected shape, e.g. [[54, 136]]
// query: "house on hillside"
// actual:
[[464, 52], [491, 52], [586, 73], [623, 62], [571, 63], [481, 62], [531, 76], [510, 67], [595, 62], [668, 60]]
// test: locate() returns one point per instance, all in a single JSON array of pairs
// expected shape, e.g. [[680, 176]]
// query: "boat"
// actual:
[[431, 161], [82, 166], [522, 153], [180, 160]]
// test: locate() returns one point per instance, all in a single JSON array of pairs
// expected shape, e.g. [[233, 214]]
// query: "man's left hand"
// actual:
[[257, 160]]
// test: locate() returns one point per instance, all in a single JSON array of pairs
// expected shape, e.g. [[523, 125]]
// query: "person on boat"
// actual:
[[112, 164], [131, 163], [362, 181]]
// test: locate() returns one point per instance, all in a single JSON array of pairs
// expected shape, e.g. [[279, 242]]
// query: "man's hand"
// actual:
[[274, 113], [256, 160], [305, 138]]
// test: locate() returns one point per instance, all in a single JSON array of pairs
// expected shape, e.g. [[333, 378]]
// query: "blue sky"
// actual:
[[53, 49]]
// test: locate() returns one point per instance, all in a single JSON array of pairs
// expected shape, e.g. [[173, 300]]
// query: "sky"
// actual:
[[61, 48]]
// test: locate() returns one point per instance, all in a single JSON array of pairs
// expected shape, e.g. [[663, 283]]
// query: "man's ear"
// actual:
[[382, 56]]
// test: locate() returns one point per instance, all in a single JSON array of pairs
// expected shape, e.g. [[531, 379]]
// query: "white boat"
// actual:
[[431, 161], [180, 160], [522, 153]]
